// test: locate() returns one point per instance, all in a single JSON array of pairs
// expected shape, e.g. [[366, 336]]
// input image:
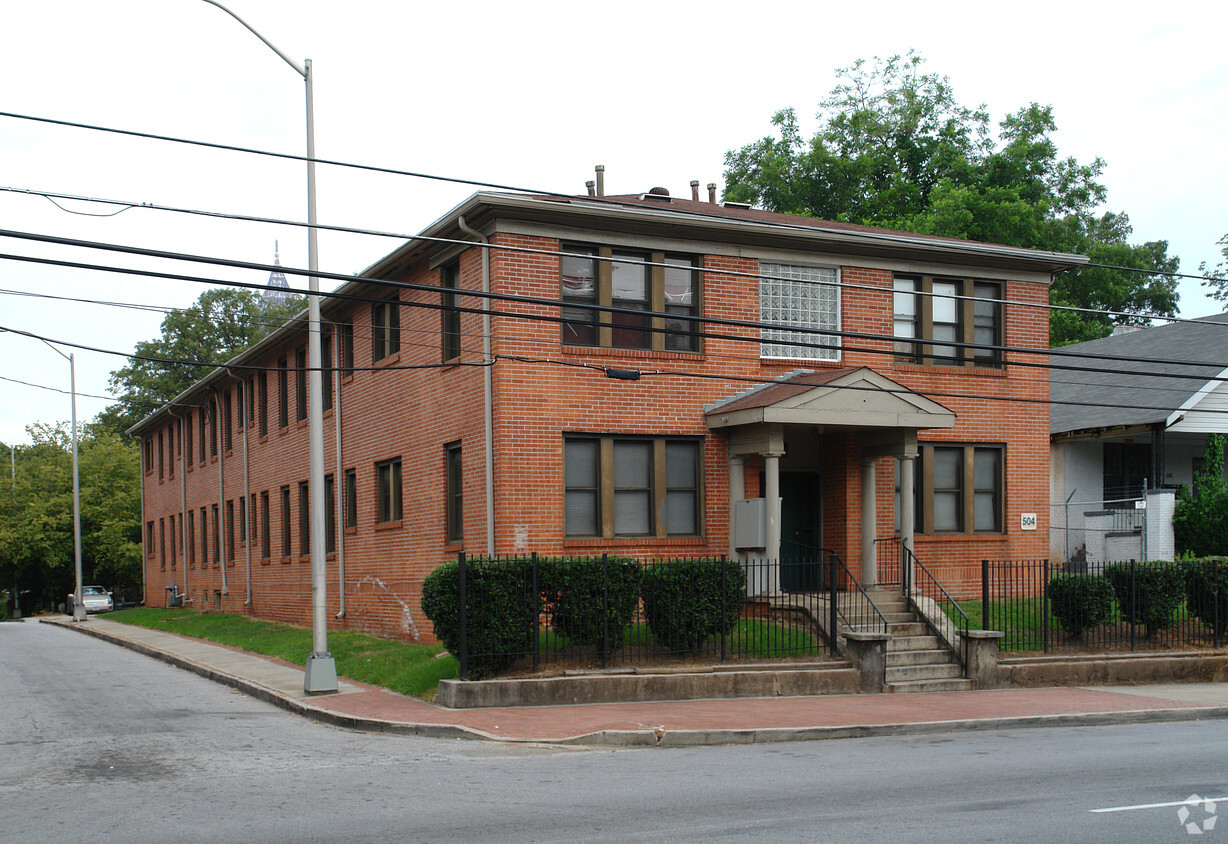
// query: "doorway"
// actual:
[[802, 561]]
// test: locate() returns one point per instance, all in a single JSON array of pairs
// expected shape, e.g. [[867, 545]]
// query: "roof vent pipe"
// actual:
[[695, 190], [601, 180], [712, 192], [592, 187]]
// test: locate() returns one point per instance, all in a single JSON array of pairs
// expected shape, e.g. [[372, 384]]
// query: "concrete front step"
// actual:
[[909, 673], [937, 656], [913, 643], [908, 628], [958, 685]]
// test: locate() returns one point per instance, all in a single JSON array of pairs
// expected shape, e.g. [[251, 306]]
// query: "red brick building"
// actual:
[[643, 369]]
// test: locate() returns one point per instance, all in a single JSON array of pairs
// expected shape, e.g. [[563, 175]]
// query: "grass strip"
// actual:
[[399, 666]]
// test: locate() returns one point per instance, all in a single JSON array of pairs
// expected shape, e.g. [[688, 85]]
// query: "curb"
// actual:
[[659, 737]]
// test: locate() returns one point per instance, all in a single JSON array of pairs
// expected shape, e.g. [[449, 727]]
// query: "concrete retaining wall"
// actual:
[[1111, 669]]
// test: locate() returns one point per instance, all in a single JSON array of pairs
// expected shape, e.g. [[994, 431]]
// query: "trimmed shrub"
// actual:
[[501, 611], [686, 601], [576, 589], [1206, 591], [1079, 601], [1147, 593]]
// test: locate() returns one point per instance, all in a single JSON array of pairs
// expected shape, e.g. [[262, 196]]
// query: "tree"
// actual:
[[1217, 279], [894, 148], [220, 324], [1200, 518]]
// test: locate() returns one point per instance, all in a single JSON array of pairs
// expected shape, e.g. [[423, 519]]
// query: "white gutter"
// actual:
[[487, 388]]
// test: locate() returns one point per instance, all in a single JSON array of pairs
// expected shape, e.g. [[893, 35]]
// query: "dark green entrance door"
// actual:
[[801, 537]]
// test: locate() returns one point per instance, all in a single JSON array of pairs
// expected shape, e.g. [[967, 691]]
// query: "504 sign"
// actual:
[[1027, 521]]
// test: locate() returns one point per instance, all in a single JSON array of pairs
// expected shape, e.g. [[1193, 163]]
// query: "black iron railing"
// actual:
[[933, 603]]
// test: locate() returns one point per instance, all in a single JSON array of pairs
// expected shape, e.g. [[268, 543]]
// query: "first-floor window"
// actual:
[[230, 531], [285, 521], [330, 515], [173, 539], [388, 490], [631, 486], [191, 538], [149, 539], [162, 540], [957, 489], [304, 519], [265, 548], [204, 538], [217, 537], [351, 498], [454, 493]]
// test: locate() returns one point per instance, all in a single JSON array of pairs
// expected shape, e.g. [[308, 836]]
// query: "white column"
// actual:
[[907, 508], [869, 516], [737, 491], [771, 471]]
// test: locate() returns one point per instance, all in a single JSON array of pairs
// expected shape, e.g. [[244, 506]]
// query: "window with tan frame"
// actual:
[[959, 489], [932, 313]]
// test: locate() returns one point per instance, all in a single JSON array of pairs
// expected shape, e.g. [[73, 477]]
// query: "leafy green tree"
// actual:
[[1216, 280], [219, 325], [895, 148], [1200, 518]]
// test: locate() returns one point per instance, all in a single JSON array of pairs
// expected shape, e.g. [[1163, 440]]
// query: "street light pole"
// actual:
[[321, 672]]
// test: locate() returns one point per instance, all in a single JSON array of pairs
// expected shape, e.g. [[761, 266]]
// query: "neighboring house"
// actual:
[[1130, 415], [552, 425]]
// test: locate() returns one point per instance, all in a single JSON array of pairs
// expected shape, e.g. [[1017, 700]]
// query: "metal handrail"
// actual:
[[882, 619], [962, 624]]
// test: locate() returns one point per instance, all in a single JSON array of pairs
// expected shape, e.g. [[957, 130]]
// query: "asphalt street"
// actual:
[[104, 743]]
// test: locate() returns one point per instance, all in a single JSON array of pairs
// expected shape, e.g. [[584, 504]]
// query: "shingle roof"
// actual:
[[1111, 393]]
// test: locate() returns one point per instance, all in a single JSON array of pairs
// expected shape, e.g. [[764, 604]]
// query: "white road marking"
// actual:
[[1157, 805]]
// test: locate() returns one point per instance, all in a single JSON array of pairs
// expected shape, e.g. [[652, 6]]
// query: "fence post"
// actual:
[[724, 604], [1044, 605], [462, 616], [1215, 599], [537, 639], [605, 610], [832, 610], [1133, 602], [985, 620]]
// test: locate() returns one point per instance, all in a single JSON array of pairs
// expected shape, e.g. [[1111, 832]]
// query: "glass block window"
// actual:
[[806, 297]]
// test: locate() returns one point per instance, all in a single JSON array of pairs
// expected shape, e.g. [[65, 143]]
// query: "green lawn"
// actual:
[[409, 669]]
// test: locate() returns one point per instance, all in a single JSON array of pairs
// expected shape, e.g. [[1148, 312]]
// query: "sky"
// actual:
[[530, 94]]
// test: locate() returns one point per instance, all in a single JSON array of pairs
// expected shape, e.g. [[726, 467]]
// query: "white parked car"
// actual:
[[94, 599]]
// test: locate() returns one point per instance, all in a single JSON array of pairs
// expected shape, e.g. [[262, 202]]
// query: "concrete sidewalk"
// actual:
[[671, 723]]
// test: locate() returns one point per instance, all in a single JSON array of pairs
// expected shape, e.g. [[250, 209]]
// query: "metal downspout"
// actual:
[[487, 388], [339, 478], [183, 500], [221, 487], [247, 502]]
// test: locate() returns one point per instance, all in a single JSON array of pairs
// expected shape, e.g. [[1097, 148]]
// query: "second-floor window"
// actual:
[[932, 315], [633, 281], [385, 330], [450, 318], [800, 302]]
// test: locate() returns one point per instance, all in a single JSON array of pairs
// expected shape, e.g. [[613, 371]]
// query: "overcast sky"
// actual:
[[530, 94]]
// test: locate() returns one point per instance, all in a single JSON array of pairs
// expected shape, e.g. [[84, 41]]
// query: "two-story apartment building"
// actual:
[[632, 374]]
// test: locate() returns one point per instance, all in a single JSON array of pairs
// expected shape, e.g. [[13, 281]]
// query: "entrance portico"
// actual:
[[798, 420]]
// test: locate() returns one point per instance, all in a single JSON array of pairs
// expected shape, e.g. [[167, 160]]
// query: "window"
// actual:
[[202, 446], [149, 539], [326, 369], [162, 542], [450, 318], [959, 489], [385, 330], [345, 331], [631, 486], [304, 519], [1126, 469], [148, 454], [802, 300], [285, 521], [213, 428], [191, 538], [283, 394], [634, 281], [946, 312], [204, 538], [388, 491], [160, 450], [187, 439], [227, 427], [263, 400], [249, 393], [330, 515], [265, 547], [243, 519], [170, 450], [300, 384], [454, 493], [217, 537], [173, 549], [230, 531], [351, 498]]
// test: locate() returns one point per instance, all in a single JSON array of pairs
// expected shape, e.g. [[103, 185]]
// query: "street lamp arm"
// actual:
[[301, 71]]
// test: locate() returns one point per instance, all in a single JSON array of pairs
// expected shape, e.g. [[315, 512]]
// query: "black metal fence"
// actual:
[[582, 613], [1119, 606]]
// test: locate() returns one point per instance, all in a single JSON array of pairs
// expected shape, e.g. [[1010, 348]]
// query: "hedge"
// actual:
[[687, 601], [1206, 591], [1079, 601], [575, 589], [1147, 593]]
